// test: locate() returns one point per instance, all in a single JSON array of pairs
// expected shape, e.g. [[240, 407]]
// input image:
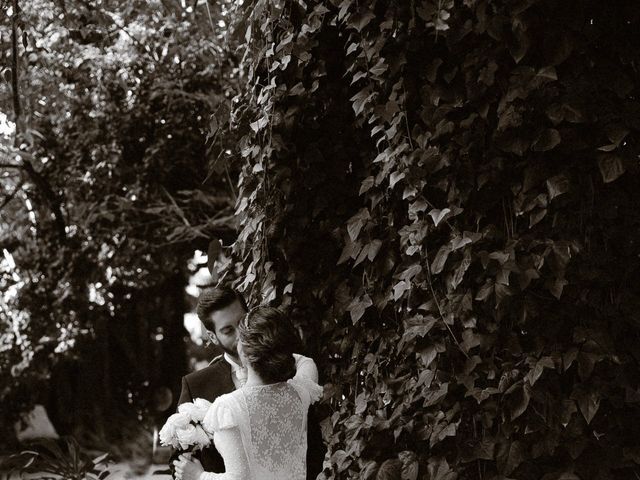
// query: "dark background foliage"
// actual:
[[105, 199]]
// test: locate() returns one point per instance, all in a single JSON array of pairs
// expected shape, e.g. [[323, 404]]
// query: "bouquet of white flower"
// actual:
[[184, 430]]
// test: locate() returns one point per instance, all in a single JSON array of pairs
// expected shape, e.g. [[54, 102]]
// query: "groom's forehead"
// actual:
[[230, 315]]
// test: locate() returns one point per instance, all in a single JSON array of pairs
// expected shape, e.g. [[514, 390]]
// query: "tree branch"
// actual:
[[52, 200], [50, 197], [12, 195], [14, 63]]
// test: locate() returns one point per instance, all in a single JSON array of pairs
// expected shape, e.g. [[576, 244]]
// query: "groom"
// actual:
[[220, 310]]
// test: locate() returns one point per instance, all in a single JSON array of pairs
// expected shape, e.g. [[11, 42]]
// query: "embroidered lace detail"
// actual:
[[261, 431], [277, 424]]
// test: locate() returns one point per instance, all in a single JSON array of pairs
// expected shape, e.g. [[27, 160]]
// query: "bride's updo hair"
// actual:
[[268, 341]]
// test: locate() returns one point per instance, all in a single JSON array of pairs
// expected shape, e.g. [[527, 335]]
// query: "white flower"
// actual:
[[203, 407], [192, 435], [168, 433], [202, 439], [196, 411]]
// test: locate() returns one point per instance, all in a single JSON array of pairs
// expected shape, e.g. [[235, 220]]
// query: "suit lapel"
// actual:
[[224, 381]]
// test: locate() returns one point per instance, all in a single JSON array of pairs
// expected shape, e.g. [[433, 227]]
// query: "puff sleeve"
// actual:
[[221, 422], [305, 380], [219, 416]]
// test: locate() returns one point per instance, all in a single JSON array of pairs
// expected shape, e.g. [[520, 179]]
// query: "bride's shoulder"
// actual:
[[222, 413], [227, 399]]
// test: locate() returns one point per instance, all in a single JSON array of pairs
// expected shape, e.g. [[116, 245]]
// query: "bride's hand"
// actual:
[[188, 469]]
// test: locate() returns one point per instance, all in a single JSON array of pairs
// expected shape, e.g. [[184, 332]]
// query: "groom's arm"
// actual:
[[185, 392]]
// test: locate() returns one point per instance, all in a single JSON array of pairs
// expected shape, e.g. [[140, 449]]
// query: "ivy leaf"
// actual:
[[410, 272], [369, 470], [588, 402], [460, 241], [355, 223], [519, 49], [519, 401], [547, 73], [510, 456], [611, 167], [379, 68], [360, 99], [358, 307], [357, 77], [548, 140], [536, 216], [439, 469], [409, 192], [395, 178], [485, 291], [616, 133], [557, 186], [350, 250], [418, 326], [259, 124], [410, 468], [566, 409], [484, 449], [215, 247], [361, 20], [536, 371], [344, 8], [373, 249], [420, 205], [557, 287], [399, 289], [428, 355], [439, 215], [367, 183], [568, 358], [369, 251], [341, 460], [361, 256], [458, 275], [441, 259], [361, 403]]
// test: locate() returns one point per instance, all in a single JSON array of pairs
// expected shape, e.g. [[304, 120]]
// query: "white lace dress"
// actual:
[[261, 431]]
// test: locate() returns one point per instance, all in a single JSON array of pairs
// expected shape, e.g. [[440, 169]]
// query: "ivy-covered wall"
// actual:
[[446, 193]]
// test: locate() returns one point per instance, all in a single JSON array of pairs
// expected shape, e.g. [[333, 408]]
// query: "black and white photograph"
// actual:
[[319, 240]]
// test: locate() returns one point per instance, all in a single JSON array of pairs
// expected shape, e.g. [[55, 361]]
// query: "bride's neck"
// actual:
[[253, 378]]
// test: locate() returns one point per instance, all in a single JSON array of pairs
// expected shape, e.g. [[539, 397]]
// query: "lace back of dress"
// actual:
[[277, 429]]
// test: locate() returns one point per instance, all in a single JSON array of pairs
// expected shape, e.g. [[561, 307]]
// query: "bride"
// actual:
[[261, 429]]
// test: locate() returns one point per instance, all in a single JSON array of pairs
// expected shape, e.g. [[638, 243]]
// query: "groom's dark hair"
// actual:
[[213, 299]]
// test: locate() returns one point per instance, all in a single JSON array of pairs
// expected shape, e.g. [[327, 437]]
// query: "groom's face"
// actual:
[[226, 322]]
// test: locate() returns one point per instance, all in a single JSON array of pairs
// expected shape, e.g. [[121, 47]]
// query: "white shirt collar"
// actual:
[[234, 365]]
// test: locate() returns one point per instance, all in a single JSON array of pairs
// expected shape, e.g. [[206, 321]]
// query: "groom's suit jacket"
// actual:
[[215, 380]]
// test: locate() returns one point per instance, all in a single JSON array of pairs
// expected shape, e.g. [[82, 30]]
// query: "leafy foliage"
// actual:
[[102, 195], [444, 192], [58, 459]]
